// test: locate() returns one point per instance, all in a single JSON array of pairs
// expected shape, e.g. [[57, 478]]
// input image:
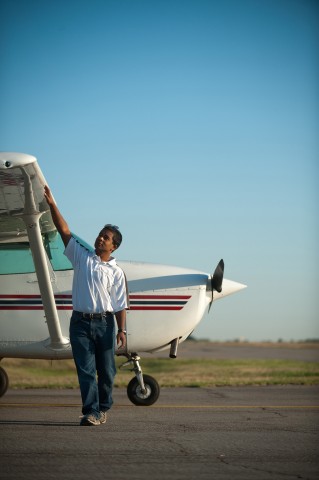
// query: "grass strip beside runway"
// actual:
[[25, 373]]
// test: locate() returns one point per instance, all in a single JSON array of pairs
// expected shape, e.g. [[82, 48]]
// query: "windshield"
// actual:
[[17, 257]]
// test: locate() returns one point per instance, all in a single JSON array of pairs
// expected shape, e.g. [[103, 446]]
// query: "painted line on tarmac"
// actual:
[[236, 406], [77, 405], [37, 405]]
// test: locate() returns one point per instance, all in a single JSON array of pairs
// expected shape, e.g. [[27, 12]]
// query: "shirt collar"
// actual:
[[111, 262]]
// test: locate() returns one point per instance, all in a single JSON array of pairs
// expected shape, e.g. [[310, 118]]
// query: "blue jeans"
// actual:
[[92, 344]]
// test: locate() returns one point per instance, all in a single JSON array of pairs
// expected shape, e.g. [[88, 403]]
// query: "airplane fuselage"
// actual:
[[165, 303]]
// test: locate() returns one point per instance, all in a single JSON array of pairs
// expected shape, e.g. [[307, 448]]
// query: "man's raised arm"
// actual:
[[61, 225]]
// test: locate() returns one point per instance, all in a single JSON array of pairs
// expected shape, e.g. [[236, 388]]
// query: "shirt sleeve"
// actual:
[[118, 292], [73, 251]]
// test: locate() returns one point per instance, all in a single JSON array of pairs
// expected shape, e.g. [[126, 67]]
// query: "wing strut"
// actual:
[[31, 217]]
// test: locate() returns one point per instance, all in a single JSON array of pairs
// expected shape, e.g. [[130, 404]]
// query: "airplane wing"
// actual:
[[16, 171], [25, 217]]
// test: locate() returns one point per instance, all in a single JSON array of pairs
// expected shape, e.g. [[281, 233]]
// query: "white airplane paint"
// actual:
[[166, 302]]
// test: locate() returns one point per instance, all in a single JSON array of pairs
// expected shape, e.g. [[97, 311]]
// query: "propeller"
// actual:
[[217, 280]]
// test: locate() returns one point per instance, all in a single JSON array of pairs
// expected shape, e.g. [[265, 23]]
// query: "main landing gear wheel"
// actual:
[[135, 394], [4, 381]]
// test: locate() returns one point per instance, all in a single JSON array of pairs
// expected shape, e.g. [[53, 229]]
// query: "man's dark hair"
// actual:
[[117, 236]]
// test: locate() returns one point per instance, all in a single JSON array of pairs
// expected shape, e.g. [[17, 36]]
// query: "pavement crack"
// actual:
[[181, 448], [274, 412], [224, 460]]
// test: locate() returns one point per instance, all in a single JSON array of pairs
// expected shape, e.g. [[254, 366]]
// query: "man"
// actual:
[[98, 292]]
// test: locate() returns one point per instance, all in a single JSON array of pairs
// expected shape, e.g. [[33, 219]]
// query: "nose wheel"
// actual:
[[142, 390], [145, 397]]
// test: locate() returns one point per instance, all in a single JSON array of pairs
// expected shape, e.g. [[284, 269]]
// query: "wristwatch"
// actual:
[[120, 330]]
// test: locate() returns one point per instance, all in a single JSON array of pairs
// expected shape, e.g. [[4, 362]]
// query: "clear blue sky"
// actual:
[[191, 124]]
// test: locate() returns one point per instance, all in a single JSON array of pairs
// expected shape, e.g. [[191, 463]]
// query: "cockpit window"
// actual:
[[16, 258]]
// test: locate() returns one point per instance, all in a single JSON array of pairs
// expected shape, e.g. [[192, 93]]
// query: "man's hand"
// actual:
[[61, 225], [121, 340], [121, 321], [48, 195]]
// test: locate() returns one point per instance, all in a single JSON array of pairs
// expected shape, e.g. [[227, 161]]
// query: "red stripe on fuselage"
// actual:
[[33, 307], [160, 297], [69, 307], [154, 308], [34, 296]]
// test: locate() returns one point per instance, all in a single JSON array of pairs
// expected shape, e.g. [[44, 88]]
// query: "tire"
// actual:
[[137, 397], [4, 381]]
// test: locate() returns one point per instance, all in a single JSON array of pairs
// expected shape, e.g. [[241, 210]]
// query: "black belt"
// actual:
[[92, 316]]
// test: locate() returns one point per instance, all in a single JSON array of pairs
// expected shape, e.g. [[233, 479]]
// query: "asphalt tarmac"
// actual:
[[305, 352], [268, 432]]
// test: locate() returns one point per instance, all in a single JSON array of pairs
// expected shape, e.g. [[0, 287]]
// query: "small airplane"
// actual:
[[166, 303]]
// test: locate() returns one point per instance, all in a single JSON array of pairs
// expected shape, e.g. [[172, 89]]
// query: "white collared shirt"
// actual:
[[97, 286]]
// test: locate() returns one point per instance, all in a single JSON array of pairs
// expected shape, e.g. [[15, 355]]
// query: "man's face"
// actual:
[[104, 242]]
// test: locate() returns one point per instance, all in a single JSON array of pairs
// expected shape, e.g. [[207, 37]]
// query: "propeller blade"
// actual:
[[217, 280]]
